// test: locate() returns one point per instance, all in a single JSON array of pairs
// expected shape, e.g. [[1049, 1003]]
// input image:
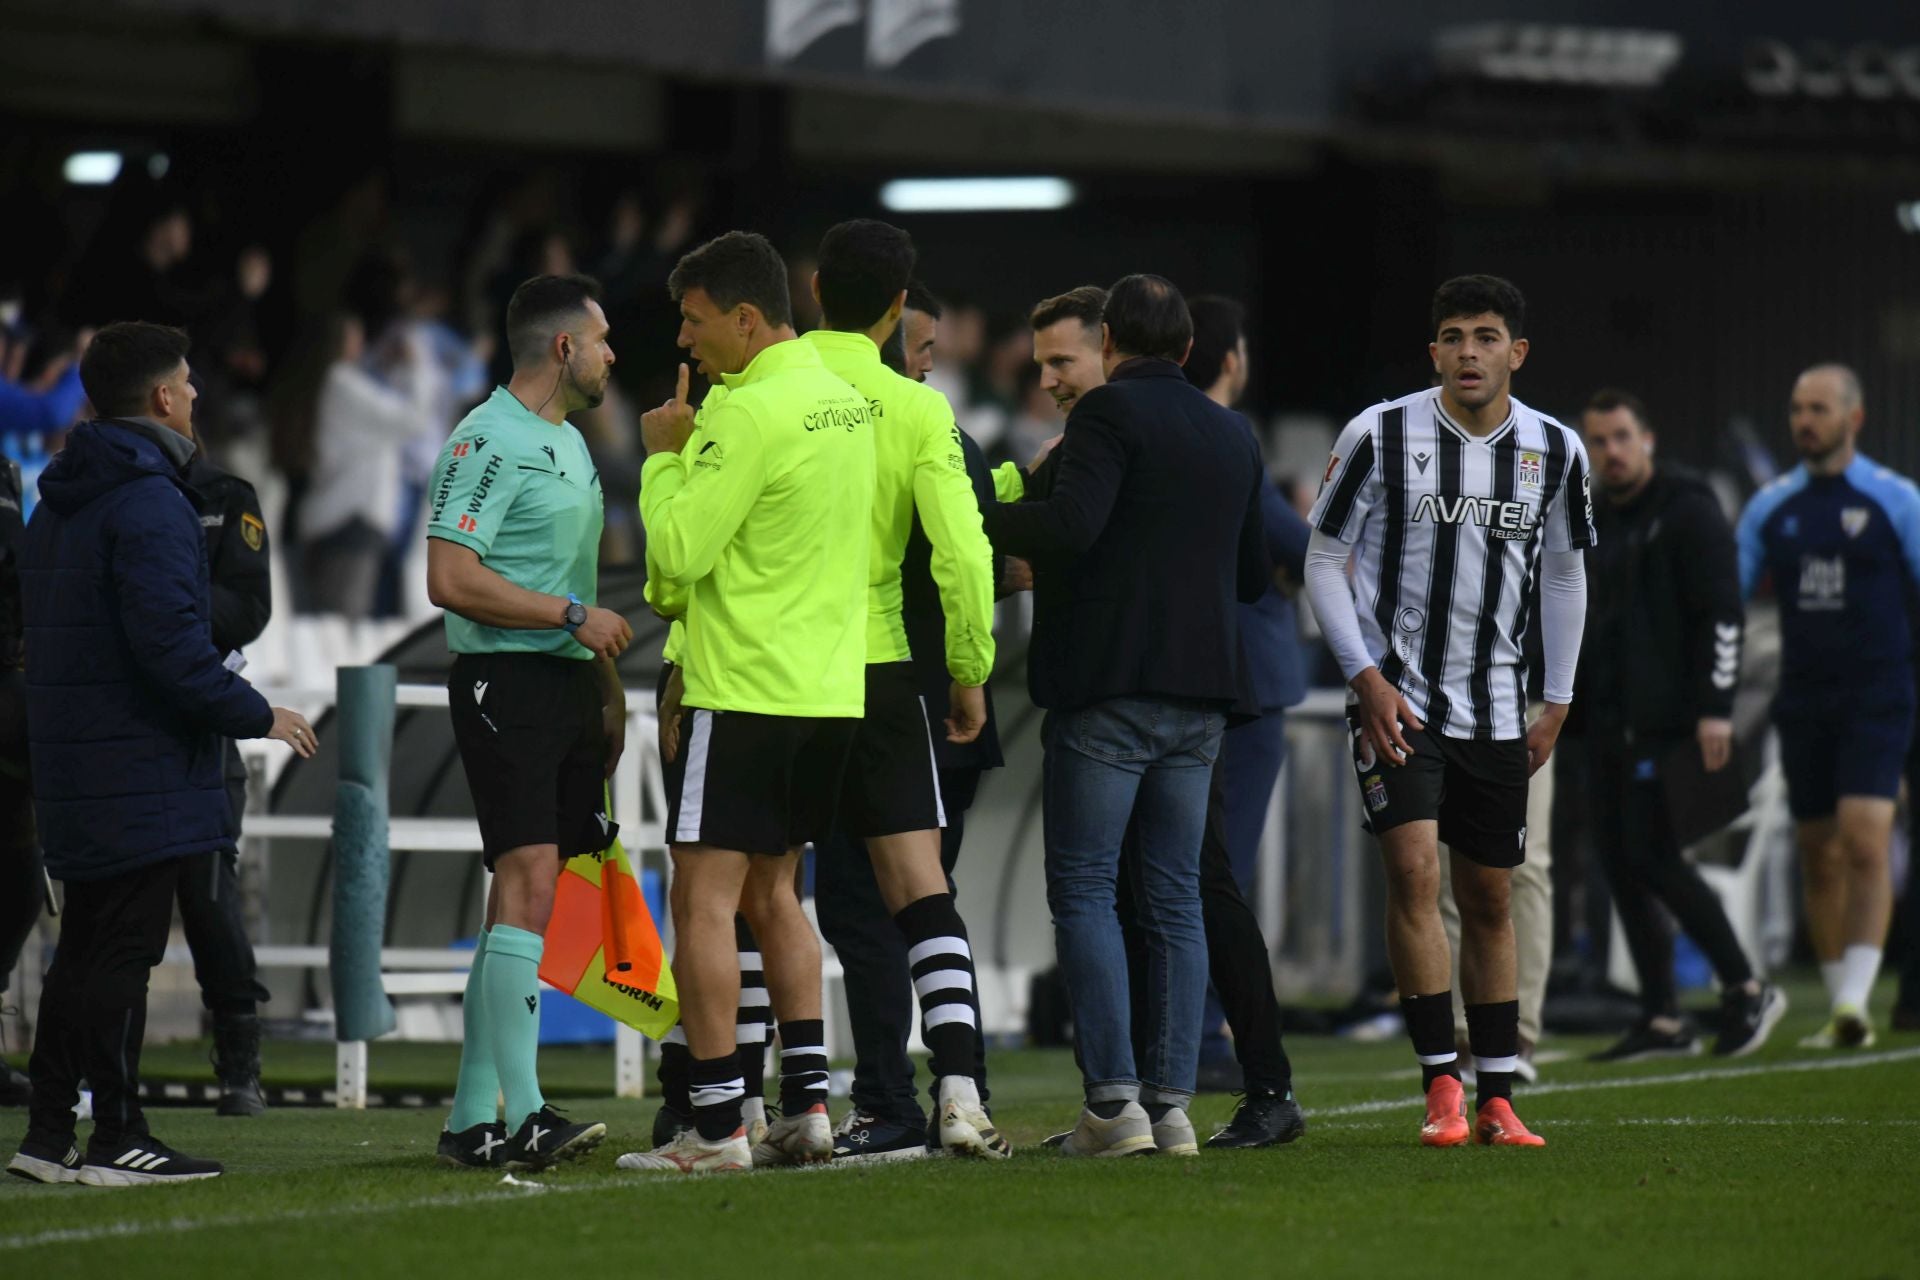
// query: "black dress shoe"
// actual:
[[1262, 1120]]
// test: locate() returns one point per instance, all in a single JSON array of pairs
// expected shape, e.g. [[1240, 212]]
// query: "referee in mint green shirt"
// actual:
[[539, 716]]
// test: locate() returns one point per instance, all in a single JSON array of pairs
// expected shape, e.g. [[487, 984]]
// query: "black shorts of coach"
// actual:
[[533, 742], [1475, 788], [893, 777], [752, 783]]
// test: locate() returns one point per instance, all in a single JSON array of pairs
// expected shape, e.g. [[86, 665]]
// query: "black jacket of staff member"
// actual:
[[1663, 615], [1152, 477]]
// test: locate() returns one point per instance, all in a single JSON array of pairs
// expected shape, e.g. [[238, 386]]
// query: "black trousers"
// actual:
[[873, 957], [1238, 963], [93, 1009], [22, 886], [1645, 869], [210, 915]]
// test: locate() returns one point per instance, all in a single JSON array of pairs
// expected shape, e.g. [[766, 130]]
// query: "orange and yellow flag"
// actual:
[[603, 948]]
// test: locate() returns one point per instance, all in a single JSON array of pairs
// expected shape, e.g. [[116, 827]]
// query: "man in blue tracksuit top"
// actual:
[[1839, 536]]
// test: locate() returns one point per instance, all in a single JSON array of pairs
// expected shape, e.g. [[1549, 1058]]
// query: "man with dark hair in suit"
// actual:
[[1152, 535]]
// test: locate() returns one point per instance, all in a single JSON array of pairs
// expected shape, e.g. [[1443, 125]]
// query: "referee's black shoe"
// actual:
[[548, 1137], [484, 1146], [1263, 1119]]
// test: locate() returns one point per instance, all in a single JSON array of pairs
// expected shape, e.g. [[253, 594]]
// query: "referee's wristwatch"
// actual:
[[576, 614]]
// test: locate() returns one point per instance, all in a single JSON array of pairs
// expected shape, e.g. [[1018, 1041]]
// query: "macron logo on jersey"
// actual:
[[1511, 520]]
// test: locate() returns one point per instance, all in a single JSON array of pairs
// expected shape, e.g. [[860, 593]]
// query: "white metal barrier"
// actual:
[[413, 971]]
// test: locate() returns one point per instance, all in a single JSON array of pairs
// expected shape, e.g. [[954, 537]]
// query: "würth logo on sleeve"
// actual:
[[468, 524], [462, 449]]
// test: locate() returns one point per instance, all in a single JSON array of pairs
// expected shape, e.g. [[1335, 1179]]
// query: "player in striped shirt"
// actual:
[[1449, 503]]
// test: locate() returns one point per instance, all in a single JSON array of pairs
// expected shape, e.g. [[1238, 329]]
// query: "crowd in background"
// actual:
[[344, 361]]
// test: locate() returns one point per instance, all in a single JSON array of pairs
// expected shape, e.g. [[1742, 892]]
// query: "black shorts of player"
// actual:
[[534, 746], [893, 779], [754, 783], [1476, 788]]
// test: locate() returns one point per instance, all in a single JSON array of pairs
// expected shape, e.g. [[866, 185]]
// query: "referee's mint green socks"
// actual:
[[476, 1097], [511, 989]]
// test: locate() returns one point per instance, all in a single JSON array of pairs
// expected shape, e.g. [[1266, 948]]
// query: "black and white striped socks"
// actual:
[[716, 1089], [941, 963], [803, 1065]]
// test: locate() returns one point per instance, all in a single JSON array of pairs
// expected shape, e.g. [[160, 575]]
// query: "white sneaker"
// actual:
[[753, 1114], [803, 1139], [965, 1127], [1128, 1134], [691, 1153], [1173, 1134]]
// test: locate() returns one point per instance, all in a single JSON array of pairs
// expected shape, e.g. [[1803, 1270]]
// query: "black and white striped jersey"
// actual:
[[1447, 530]]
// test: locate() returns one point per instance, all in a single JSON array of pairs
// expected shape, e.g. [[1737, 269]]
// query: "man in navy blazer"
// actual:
[[1151, 536], [127, 703]]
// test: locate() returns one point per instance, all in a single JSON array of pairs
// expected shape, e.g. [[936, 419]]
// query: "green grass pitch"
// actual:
[[1790, 1163]]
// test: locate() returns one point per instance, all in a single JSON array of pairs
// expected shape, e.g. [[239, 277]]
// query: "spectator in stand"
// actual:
[[49, 402], [362, 427]]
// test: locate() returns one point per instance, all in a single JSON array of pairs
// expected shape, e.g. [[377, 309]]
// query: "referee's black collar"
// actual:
[[1513, 416]]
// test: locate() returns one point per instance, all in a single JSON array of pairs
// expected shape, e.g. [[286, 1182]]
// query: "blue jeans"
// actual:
[[1148, 760]]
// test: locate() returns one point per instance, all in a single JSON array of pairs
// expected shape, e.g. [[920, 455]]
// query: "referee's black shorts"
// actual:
[[1475, 788], [754, 783], [534, 746], [893, 777]]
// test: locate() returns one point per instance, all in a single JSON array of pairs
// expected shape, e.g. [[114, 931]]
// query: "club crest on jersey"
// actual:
[[1376, 793], [1530, 470], [1854, 520]]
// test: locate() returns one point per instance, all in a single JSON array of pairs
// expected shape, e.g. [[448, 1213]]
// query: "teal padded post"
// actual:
[[363, 734]]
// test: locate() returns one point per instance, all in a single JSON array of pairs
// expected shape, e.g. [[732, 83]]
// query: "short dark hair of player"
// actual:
[[1608, 399], [1146, 316], [864, 265], [740, 266], [1087, 304], [921, 299], [1465, 296], [128, 360], [542, 307], [1218, 325]]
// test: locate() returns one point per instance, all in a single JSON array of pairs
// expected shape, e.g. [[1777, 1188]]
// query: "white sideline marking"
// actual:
[[118, 1230], [1635, 1082]]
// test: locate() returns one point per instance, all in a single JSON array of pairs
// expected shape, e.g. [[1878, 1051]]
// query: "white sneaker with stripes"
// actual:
[[142, 1162], [965, 1127]]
